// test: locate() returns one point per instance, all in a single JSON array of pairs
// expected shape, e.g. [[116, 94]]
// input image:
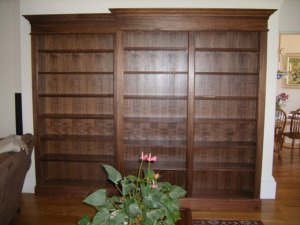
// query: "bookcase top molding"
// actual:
[[152, 19]]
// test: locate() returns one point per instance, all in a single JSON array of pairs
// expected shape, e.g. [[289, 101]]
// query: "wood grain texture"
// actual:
[[182, 82]]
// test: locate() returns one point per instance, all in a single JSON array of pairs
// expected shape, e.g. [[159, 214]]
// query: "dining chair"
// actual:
[[280, 122], [294, 132]]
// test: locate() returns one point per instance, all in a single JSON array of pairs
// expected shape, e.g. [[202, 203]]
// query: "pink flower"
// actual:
[[143, 157], [156, 176], [151, 159]]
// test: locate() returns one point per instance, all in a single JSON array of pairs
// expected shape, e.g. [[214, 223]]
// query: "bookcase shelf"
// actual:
[[76, 116], [107, 159], [101, 138], [154, 120], [77, 95]]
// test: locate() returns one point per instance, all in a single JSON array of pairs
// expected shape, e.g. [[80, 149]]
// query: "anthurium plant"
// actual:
[[143, 200]]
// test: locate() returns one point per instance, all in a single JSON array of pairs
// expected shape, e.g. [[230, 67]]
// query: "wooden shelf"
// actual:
[[222, 194], [78, 95], [156, 49], [224, 167], [155, 72], [75, 182], [226, 50], [223, 144], [154, 120], [158, 165], [156, 97], [227, 73], [222, 120], [155, 143], [109, 159], [75, 51], [76, 116], [101, 138], [76, 73], [212, 97]]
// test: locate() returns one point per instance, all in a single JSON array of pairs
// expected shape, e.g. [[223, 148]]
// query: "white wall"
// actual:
[[9, 64], [99, 6], [289, 44], [289, 21]]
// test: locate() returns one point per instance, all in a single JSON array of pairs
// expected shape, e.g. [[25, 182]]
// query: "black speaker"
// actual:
[[18, 111]]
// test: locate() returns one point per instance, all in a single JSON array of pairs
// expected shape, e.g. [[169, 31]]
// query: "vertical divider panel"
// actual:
[[119, 102], [190, 114], [260, 111], [34, 49]]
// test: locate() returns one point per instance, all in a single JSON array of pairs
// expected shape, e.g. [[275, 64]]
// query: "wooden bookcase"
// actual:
[[186, 85]]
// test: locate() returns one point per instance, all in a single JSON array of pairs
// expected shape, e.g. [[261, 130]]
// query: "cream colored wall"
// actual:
[[289, 21], [9, 64], [98, 6], [289, 44]]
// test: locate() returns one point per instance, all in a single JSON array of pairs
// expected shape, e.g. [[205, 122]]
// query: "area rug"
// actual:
[[226, 222]]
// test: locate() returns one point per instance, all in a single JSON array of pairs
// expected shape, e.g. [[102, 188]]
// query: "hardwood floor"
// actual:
[[285, 210]]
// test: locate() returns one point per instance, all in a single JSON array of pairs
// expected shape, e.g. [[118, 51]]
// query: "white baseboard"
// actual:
[[268, 188]]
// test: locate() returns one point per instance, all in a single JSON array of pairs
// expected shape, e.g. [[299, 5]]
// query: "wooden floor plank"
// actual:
[[284, 210]]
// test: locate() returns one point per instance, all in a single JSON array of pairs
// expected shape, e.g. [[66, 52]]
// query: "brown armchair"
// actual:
[[13, 169]]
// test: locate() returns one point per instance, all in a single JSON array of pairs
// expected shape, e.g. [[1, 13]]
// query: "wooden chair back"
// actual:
[[280, 122], [295, 124]]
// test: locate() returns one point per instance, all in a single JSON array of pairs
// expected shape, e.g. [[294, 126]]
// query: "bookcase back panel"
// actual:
[[155, 84], [224, 155], [171, 154], [163, 39], [76, 84], [65, 171], [232, 62], [229, 85], [223, 181], [76, 62], [79, 105], [76, 41], [235, 109], [227, 39], [225, 132], [155, 131], [78, 147], [154, 108], [77, 127], [158, 61]]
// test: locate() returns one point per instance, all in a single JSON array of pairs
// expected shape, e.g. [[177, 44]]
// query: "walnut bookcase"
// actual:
[[186, 85]]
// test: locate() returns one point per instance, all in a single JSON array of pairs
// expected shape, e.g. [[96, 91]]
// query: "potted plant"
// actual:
[[142, 200], [281, 99]]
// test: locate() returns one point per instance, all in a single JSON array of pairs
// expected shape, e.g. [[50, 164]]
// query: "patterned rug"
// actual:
[[226, 222]]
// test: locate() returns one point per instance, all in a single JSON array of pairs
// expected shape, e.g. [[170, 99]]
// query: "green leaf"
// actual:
[[152, 201], [97, 198], [155, 214], [131, 208], [145, 189], [131, 178], [84, 220], [118, 217], [165, 186], [127, 186], [177, 192], [101, 217], [169, 222], [113, 174]]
